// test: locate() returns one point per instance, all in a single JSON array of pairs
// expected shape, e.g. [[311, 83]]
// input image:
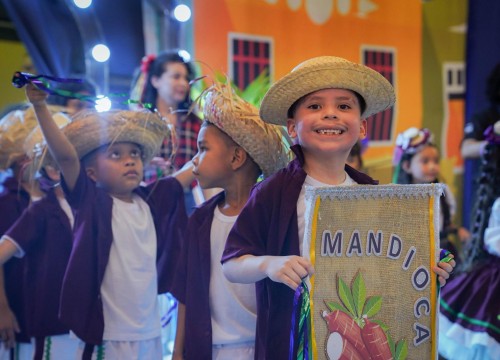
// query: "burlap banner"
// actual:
[[373, 294]]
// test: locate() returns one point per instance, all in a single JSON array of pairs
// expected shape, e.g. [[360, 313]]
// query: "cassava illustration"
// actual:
[[353, 333]]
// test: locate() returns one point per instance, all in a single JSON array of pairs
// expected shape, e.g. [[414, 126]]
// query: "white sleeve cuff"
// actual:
[[19, 252], [492, 240]]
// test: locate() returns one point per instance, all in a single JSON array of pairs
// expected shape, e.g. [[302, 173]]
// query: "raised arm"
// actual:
[[60, 148], [471, 148], [185, 175]]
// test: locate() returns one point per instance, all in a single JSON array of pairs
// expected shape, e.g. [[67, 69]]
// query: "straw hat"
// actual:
[[34, 145], [241, 122], [90, 130], [326, 72], [14, 127]]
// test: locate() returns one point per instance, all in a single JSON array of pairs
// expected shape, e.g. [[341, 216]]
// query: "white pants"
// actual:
[[22, 351], [233, 352], [125, 350]]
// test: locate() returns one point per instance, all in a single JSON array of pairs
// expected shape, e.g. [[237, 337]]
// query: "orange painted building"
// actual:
[[296, 30]]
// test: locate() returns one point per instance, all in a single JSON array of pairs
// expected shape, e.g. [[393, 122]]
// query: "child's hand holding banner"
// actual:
[[373, 294]]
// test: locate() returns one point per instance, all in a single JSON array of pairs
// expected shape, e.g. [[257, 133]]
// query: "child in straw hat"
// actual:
[[126, 237], [15, 196], [323, 102], [43, 236], [217, 318]]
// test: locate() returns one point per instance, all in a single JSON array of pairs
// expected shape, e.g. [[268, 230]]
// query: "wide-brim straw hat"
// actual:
[[326, 72], [14, 128], [91, 130], [35, 146], [241, 122]]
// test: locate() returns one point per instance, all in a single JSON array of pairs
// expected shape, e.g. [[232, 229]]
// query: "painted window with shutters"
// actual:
[[249, 56], [380, 125]]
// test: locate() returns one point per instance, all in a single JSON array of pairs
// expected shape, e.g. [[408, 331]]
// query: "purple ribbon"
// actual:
[[300, 296], [20, 79], [296, 298], [491, 136]]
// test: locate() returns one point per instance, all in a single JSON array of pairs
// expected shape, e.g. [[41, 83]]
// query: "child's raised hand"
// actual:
[[289, 270], [35, 95], [444, 268]]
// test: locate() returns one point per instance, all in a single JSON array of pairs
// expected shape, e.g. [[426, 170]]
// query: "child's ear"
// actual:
[[363, 129], [155, 81], [290, 126], [91, 173], [239, 157]]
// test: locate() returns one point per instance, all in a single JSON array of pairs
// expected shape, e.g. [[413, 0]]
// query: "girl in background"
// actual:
[[163, 85], [417, 162], [469, 319]]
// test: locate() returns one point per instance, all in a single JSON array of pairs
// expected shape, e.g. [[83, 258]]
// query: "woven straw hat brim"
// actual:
[[241, 122], [14, 128], [326, 72], [91, 130], [35, 142]]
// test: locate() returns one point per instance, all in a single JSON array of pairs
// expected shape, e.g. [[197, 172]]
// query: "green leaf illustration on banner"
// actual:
[[351, 322], [373, 305], [359, 294], [346, 297], [391, 343], [401, 350], [333, 305]]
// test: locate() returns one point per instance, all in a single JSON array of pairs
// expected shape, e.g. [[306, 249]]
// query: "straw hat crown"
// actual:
[[241, 122], [326, 72], [14, 127], [90, 130], [34, 145]]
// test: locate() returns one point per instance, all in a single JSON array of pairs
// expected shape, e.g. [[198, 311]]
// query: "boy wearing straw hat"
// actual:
[[17, 192], [323, 102], [43, 236], [216, 317], [126, 237]]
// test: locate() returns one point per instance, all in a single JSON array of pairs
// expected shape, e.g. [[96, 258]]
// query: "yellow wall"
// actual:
[[13, 57]]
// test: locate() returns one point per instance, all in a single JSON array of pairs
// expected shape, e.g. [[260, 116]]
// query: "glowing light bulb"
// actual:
[[182, 13], [83, 4], [101, 53]]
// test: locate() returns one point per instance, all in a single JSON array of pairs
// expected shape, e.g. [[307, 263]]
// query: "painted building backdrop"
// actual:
[[418, 45]]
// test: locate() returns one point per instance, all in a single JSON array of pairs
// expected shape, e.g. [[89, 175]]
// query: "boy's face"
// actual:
[[212, 163], [118, 169], [328, 122]]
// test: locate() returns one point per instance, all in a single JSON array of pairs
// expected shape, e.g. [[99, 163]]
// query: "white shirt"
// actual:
[[301, 207], [129, 288], [492, 232], [233, 307]]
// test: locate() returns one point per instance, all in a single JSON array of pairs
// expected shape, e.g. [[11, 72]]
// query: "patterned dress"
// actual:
[[469, 321]]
